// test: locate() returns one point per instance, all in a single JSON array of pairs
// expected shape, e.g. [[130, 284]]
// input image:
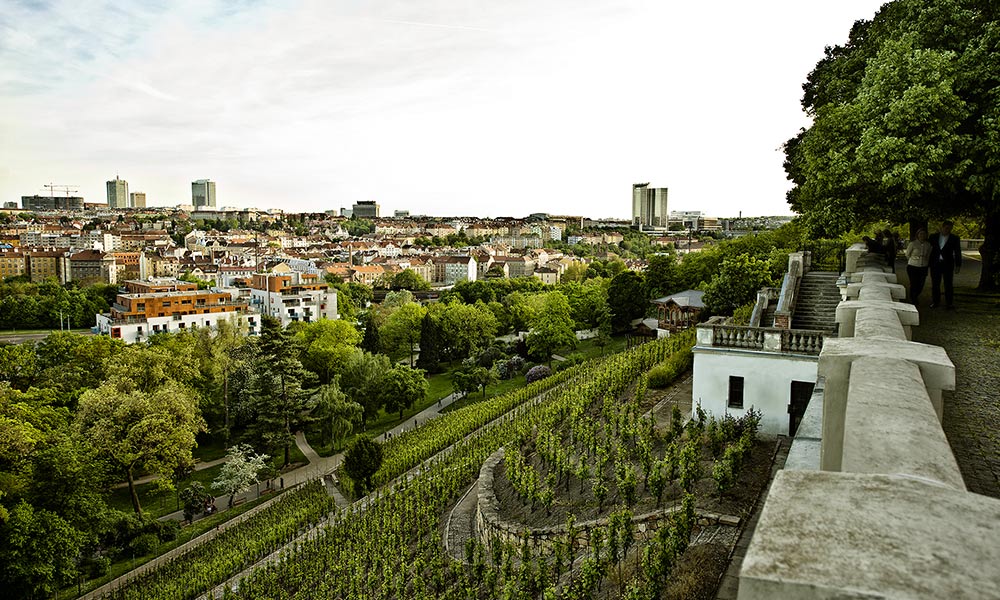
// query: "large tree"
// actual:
[[906, 123], [402, 387], [552, 329], [401, 330], [626, 299], [282, 385], [149, 430], [430, 344]]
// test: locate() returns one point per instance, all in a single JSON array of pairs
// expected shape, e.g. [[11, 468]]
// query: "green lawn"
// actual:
[[499, 389], [157, 503]]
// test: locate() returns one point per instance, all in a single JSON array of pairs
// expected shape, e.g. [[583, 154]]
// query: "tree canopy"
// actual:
[[906, 124]]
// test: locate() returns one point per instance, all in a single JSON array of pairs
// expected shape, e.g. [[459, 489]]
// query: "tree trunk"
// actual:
[[225, 403], [990, 252], [288, 453], [132, 493]]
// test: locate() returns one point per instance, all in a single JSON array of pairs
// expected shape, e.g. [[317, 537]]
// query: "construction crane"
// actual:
[[67, 189]]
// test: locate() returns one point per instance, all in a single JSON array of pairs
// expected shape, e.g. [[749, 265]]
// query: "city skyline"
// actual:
[[484, 110]]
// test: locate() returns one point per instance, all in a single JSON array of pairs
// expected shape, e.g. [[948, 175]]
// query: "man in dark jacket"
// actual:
[[945, 261]]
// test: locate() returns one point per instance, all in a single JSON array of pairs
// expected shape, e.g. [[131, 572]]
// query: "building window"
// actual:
[[735, 392]]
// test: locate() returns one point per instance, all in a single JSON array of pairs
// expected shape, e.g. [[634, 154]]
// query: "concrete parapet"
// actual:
[[852, 255], [878, 322], [826, 536], [846, 312], [872, 275], [936, 369], [890, 426], [875, 290]]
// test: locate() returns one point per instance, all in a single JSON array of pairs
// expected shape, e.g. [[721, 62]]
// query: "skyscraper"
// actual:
[[117, 193], [137, 199], [203, 193], [649, 207]]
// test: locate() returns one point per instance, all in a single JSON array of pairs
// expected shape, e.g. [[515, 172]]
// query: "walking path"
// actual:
[[199, 466], [971, 336]]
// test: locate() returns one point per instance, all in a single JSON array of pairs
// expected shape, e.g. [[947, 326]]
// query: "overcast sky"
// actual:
[[444, 107]]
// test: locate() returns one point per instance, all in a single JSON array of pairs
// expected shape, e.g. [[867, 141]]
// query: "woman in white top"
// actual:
[[918, 256]]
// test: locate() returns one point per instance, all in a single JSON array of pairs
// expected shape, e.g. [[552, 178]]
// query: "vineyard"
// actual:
[[390, 546]]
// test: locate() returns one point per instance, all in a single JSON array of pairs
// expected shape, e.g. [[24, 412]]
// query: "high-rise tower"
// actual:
[[203, 193], [117, 193], [649, 207]]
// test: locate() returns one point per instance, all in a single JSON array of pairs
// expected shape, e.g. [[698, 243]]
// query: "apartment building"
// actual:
[[168, 305], [293, 297]]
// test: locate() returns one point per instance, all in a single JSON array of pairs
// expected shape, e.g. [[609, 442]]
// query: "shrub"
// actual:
[[537, 373], [144, 544], [667, 371]]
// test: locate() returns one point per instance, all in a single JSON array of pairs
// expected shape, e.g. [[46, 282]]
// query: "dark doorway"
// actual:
[[799, 399]]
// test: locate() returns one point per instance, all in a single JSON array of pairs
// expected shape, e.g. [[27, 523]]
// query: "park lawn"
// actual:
[[591, 350], [209, 449], [156, 502], [492, 391], [438, 387]]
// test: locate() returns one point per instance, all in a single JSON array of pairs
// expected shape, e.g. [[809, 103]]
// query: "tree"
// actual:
[[362, 461], [905, 124], [430, 344], [736, 284], [370, 342], [336, 413], [281, 387], [152, 431], [402, 387], [38, 552], [401, 330], [327, 345], [362, 380], [408, 279], [661, 278], [465, 328], [194, 498], [626, 299], [552, 329], [239, 471]]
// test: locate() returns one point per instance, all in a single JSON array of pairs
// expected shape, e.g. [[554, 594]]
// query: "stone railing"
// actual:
[[764, 299], [762, 339], [797, 267], [493, 529], [871, 489]]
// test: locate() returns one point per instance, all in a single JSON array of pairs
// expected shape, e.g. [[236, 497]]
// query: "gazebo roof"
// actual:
[[685, 299]]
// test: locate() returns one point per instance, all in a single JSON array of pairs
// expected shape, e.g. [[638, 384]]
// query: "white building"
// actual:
[[770, 367], [293, 297]]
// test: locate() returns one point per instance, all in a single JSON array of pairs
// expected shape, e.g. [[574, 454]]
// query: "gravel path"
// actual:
[[971, 336]]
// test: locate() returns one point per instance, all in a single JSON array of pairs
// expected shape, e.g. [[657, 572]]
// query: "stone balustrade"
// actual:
[[763, 339], [872, 503]]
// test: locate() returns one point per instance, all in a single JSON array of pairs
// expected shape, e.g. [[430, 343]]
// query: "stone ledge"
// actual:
[[826, 535], [891, 427]]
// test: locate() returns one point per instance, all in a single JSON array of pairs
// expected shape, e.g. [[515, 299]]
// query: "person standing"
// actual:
[[918, 256], [946, 260]]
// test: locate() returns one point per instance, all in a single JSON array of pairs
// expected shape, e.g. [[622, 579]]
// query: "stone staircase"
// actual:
[[816, 302]]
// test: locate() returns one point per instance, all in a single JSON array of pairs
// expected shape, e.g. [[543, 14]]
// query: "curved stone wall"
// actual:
[[492, 528]]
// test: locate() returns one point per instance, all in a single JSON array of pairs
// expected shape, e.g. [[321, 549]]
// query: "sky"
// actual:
[[457, 107]]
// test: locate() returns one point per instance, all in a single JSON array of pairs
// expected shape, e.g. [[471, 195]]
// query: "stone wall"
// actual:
[[873, 504], [493, 528]]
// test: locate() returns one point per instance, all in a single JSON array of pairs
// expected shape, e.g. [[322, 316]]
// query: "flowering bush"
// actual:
[[537, 373]]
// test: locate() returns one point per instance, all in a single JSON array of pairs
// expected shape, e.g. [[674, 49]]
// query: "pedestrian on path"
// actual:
[[945, 263], [918, 256]]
